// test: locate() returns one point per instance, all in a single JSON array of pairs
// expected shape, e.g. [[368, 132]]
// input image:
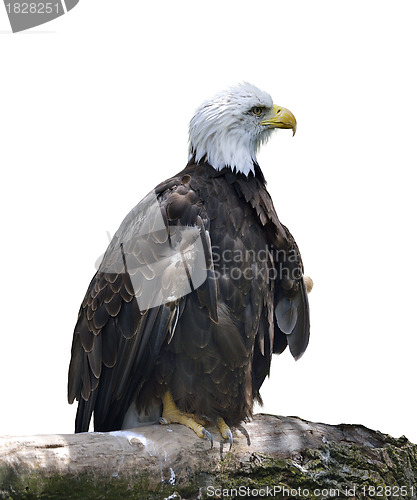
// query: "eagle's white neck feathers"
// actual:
[[224, 133]]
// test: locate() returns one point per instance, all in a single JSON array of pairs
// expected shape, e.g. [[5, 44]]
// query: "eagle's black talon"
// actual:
[[162, 421], [230, 436], [245, 433], [207, 433]]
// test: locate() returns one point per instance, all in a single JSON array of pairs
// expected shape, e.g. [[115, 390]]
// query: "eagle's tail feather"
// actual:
[[292, 315]]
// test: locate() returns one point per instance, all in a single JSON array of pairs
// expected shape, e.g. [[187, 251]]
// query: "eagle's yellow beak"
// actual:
[[281, 118]]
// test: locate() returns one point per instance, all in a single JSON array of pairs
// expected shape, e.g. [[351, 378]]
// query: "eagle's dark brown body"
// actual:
[[212, 347]]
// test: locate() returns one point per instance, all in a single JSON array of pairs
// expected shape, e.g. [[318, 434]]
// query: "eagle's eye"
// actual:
[[257, 110]]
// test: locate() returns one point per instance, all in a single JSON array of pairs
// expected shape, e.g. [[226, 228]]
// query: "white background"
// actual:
[[94, 110]]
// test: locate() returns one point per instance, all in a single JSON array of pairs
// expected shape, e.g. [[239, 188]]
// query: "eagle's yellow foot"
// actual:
[[172, 415], [225, 431], [196, 419]]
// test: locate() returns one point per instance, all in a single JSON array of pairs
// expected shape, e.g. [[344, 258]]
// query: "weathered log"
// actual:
[[287, 458]]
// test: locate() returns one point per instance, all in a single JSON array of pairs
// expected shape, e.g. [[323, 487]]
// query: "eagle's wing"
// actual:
[[161, 252], [291, 303], [292, 316]]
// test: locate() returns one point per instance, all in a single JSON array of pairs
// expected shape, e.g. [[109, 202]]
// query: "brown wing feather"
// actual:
[[124, 318], [290, 297]]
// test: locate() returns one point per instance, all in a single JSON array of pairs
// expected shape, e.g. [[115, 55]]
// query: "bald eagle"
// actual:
[[199, 286]]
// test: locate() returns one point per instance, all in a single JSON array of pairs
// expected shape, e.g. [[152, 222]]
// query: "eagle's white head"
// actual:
[[226, 131]]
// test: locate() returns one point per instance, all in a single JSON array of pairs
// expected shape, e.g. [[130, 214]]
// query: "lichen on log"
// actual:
[[287, 458]]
